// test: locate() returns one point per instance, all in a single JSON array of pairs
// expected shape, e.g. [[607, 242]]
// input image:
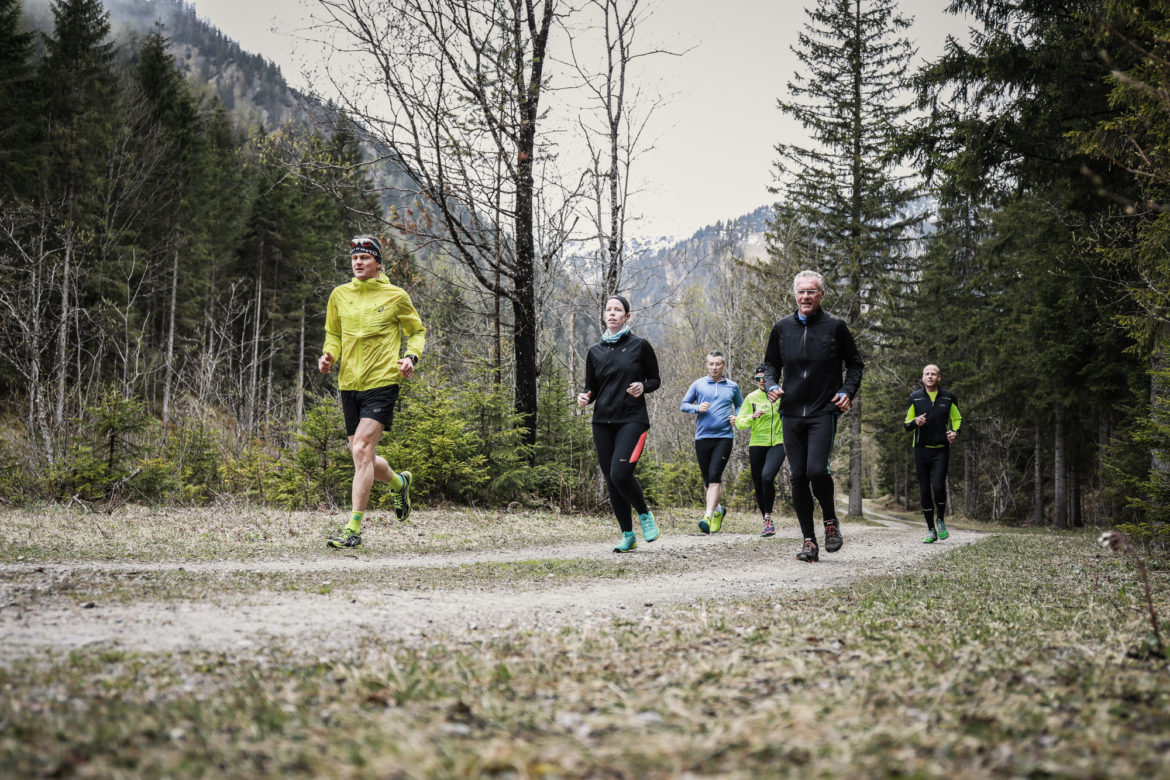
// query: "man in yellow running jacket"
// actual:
[[364, 326]]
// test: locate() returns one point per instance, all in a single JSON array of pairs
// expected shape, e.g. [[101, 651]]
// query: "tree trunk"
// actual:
[[253, 389], [300, 387], [169, 374], [1104, 435], [1074, 497], [573, 384], [1159, 401], [63, 332], [856, 466], [1038, 480], [1060, 470], [969, 480], [909, 466]]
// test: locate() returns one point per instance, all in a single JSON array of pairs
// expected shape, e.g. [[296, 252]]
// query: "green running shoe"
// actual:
[[943, 533], [402, 497], [717, 519], [704, 525], [628, 543], [348, 538], [649, 527], [931, 538]]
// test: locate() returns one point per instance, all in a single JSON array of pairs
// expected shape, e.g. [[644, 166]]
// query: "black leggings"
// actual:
[[766, 462], [619, 445], [713, 455], [931, 464], [809, 443]]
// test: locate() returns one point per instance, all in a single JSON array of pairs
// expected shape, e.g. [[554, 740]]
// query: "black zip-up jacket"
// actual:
[[938, 417], [609, 371], [811, 356]]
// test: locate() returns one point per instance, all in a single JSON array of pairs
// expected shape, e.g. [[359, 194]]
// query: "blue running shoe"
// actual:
[[649, 527], [629, 541]]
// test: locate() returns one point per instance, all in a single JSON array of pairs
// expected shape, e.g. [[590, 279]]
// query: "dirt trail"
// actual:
[[320, 623]]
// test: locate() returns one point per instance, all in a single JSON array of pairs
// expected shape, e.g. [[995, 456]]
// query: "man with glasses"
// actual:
[[766, 447], [810, 349], [365, 322]]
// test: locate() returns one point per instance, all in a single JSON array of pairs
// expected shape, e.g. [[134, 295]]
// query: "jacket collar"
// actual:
[[381, 278], [816, 316]]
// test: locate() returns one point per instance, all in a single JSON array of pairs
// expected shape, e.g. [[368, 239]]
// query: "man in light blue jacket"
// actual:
[[714, 400]]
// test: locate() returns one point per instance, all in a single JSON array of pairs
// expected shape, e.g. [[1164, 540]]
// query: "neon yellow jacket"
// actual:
[[766, 429], [364, 325]]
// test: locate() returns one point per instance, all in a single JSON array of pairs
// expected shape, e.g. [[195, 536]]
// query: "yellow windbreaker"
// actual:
[[364, 325]]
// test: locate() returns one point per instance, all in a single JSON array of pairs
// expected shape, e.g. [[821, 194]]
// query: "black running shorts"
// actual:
[[376, 404]]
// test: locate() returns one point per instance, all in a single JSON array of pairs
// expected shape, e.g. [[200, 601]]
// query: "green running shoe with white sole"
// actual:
[[629, 542], [931, 538], [943, 533], [717, 519], [402, 497], [649, 527]]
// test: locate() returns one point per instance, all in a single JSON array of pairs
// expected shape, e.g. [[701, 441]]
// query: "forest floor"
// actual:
[[468, 643]]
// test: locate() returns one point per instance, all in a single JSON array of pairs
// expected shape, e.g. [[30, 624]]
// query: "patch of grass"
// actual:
[[142, 535], [1006, 657]]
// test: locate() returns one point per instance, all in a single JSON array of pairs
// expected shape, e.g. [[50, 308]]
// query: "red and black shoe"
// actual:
[[833, 540], [809, 553]]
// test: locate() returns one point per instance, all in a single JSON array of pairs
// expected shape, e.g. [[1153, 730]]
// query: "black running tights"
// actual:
[[931, 464], [809, 444], [766, 462], [619, 445]]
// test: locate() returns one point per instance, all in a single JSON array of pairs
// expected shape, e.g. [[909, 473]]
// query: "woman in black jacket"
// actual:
[[619, 370]]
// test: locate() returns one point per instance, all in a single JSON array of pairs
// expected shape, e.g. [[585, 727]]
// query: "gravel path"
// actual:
[[317, 623]]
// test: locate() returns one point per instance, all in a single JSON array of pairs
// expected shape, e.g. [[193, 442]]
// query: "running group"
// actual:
[[810, 374]]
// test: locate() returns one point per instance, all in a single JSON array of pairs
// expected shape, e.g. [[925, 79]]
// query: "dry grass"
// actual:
[[1007, 657], [142, 534]]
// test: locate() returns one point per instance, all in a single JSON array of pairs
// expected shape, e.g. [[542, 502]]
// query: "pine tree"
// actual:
[[844, 209], [78, 82], [17, 97]]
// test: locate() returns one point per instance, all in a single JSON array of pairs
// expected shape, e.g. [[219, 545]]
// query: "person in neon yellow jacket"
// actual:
[[364, 324], [766, 446]]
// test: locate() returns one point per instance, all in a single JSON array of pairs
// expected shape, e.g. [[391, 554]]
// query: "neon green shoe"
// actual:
[[717, 519], [704, 525], [347, 538], [402, 497], [649, 527], [931, 538], [943, 533], [628, 543]]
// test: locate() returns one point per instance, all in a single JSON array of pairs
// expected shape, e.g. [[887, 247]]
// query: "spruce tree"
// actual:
[[844, 208], [18, 99]]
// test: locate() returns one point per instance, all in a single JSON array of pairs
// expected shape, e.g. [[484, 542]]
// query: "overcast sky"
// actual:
[[713, 140]]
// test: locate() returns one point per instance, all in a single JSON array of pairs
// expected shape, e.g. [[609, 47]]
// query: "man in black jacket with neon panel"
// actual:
[[934, 417]]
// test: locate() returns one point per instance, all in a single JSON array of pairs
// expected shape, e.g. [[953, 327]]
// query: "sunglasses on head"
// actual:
[[363, 243]]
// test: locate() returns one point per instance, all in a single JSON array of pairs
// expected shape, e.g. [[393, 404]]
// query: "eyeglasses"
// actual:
[[807, 293]]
